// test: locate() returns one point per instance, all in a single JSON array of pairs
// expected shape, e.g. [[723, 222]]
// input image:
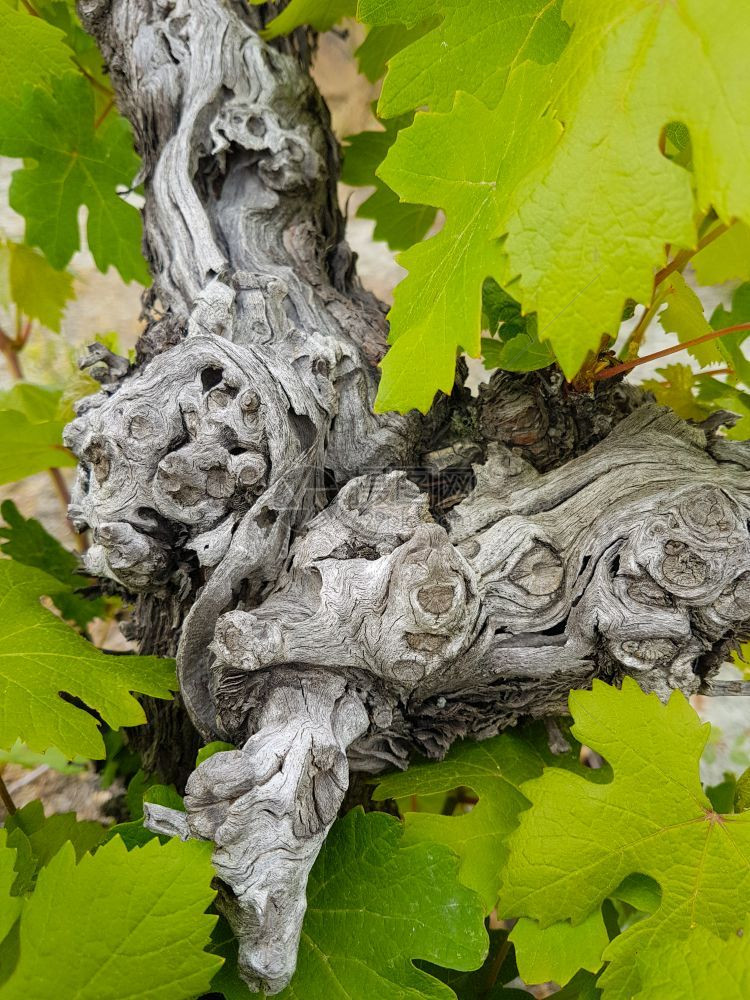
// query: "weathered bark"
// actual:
[[343, 588]]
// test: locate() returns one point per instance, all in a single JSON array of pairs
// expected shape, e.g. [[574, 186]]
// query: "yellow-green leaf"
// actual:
[[42, 658]]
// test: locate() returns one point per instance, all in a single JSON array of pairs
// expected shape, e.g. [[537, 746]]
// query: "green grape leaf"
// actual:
[[36, 289], [62, 14], [575, 251], [398, 224], [76, 164], [581, 987], [721, 796], [684, 317], [731, 345], [557, 952], [218, 746], [41, 656], [580, 838], [485, 983], [716, 395], [226, 981], [493, 769], [702, 967], [28, 447], [318, 14], [742, 792], [38, 403], [38, 839], [374, 904], [518, 348], [522, 353], [464, 163], [471, 49], [383, 42], [30, 51], [500, 311], [20, 754], [727, 258], [28, 542], [149, 949], [676, 391], [640, 892], [10, 905]]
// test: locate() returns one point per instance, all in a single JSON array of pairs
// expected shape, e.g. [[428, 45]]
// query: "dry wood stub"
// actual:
[[327, 620]]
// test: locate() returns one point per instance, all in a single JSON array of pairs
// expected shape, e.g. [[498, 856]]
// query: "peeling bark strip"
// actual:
[[334, 622]]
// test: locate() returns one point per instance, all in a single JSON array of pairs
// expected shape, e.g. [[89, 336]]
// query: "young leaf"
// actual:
[[88, 57], [522, 353], [27, 541], [30, 51], [557, 952], [38, 839], [383, 42], [41, 657], [27, 447], [10, 906], [471, 49], [731, 345], [464, 163], [141, 915], [37, 290], [374, 904], [716, 395], [698, 968], [676, 391], [318, 14], [493, 769], [683, 316], [580, 838], [727, 258], [581, 233], [76, 164], [20, 754], [399, 224]]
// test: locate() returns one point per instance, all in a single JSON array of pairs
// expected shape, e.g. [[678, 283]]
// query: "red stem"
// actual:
[[627, 366]]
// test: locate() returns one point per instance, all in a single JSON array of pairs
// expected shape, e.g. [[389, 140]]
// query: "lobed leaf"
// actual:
[[30, 51], [472, 48], [35, 288], [75, 164], [141, 915], [42, 658], [580, 839], [577, 199], [318, 14], [375, 903]]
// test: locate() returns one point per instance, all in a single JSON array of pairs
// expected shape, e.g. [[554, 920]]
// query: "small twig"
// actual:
[[494, 970], [678, 263], [627, 366], [6, 798], [104, 114], [92, 79], [684, 256], [715, 371], [10, 351]]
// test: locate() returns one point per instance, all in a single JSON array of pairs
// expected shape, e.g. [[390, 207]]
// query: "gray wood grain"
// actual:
[[339, 616]]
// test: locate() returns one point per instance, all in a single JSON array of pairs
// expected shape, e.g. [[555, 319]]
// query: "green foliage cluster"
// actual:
[[508, 865]]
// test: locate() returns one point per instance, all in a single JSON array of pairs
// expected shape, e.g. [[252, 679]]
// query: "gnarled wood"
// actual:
[[335, 615]]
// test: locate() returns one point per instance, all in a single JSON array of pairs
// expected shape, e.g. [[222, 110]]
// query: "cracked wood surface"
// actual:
[[349, 588]]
